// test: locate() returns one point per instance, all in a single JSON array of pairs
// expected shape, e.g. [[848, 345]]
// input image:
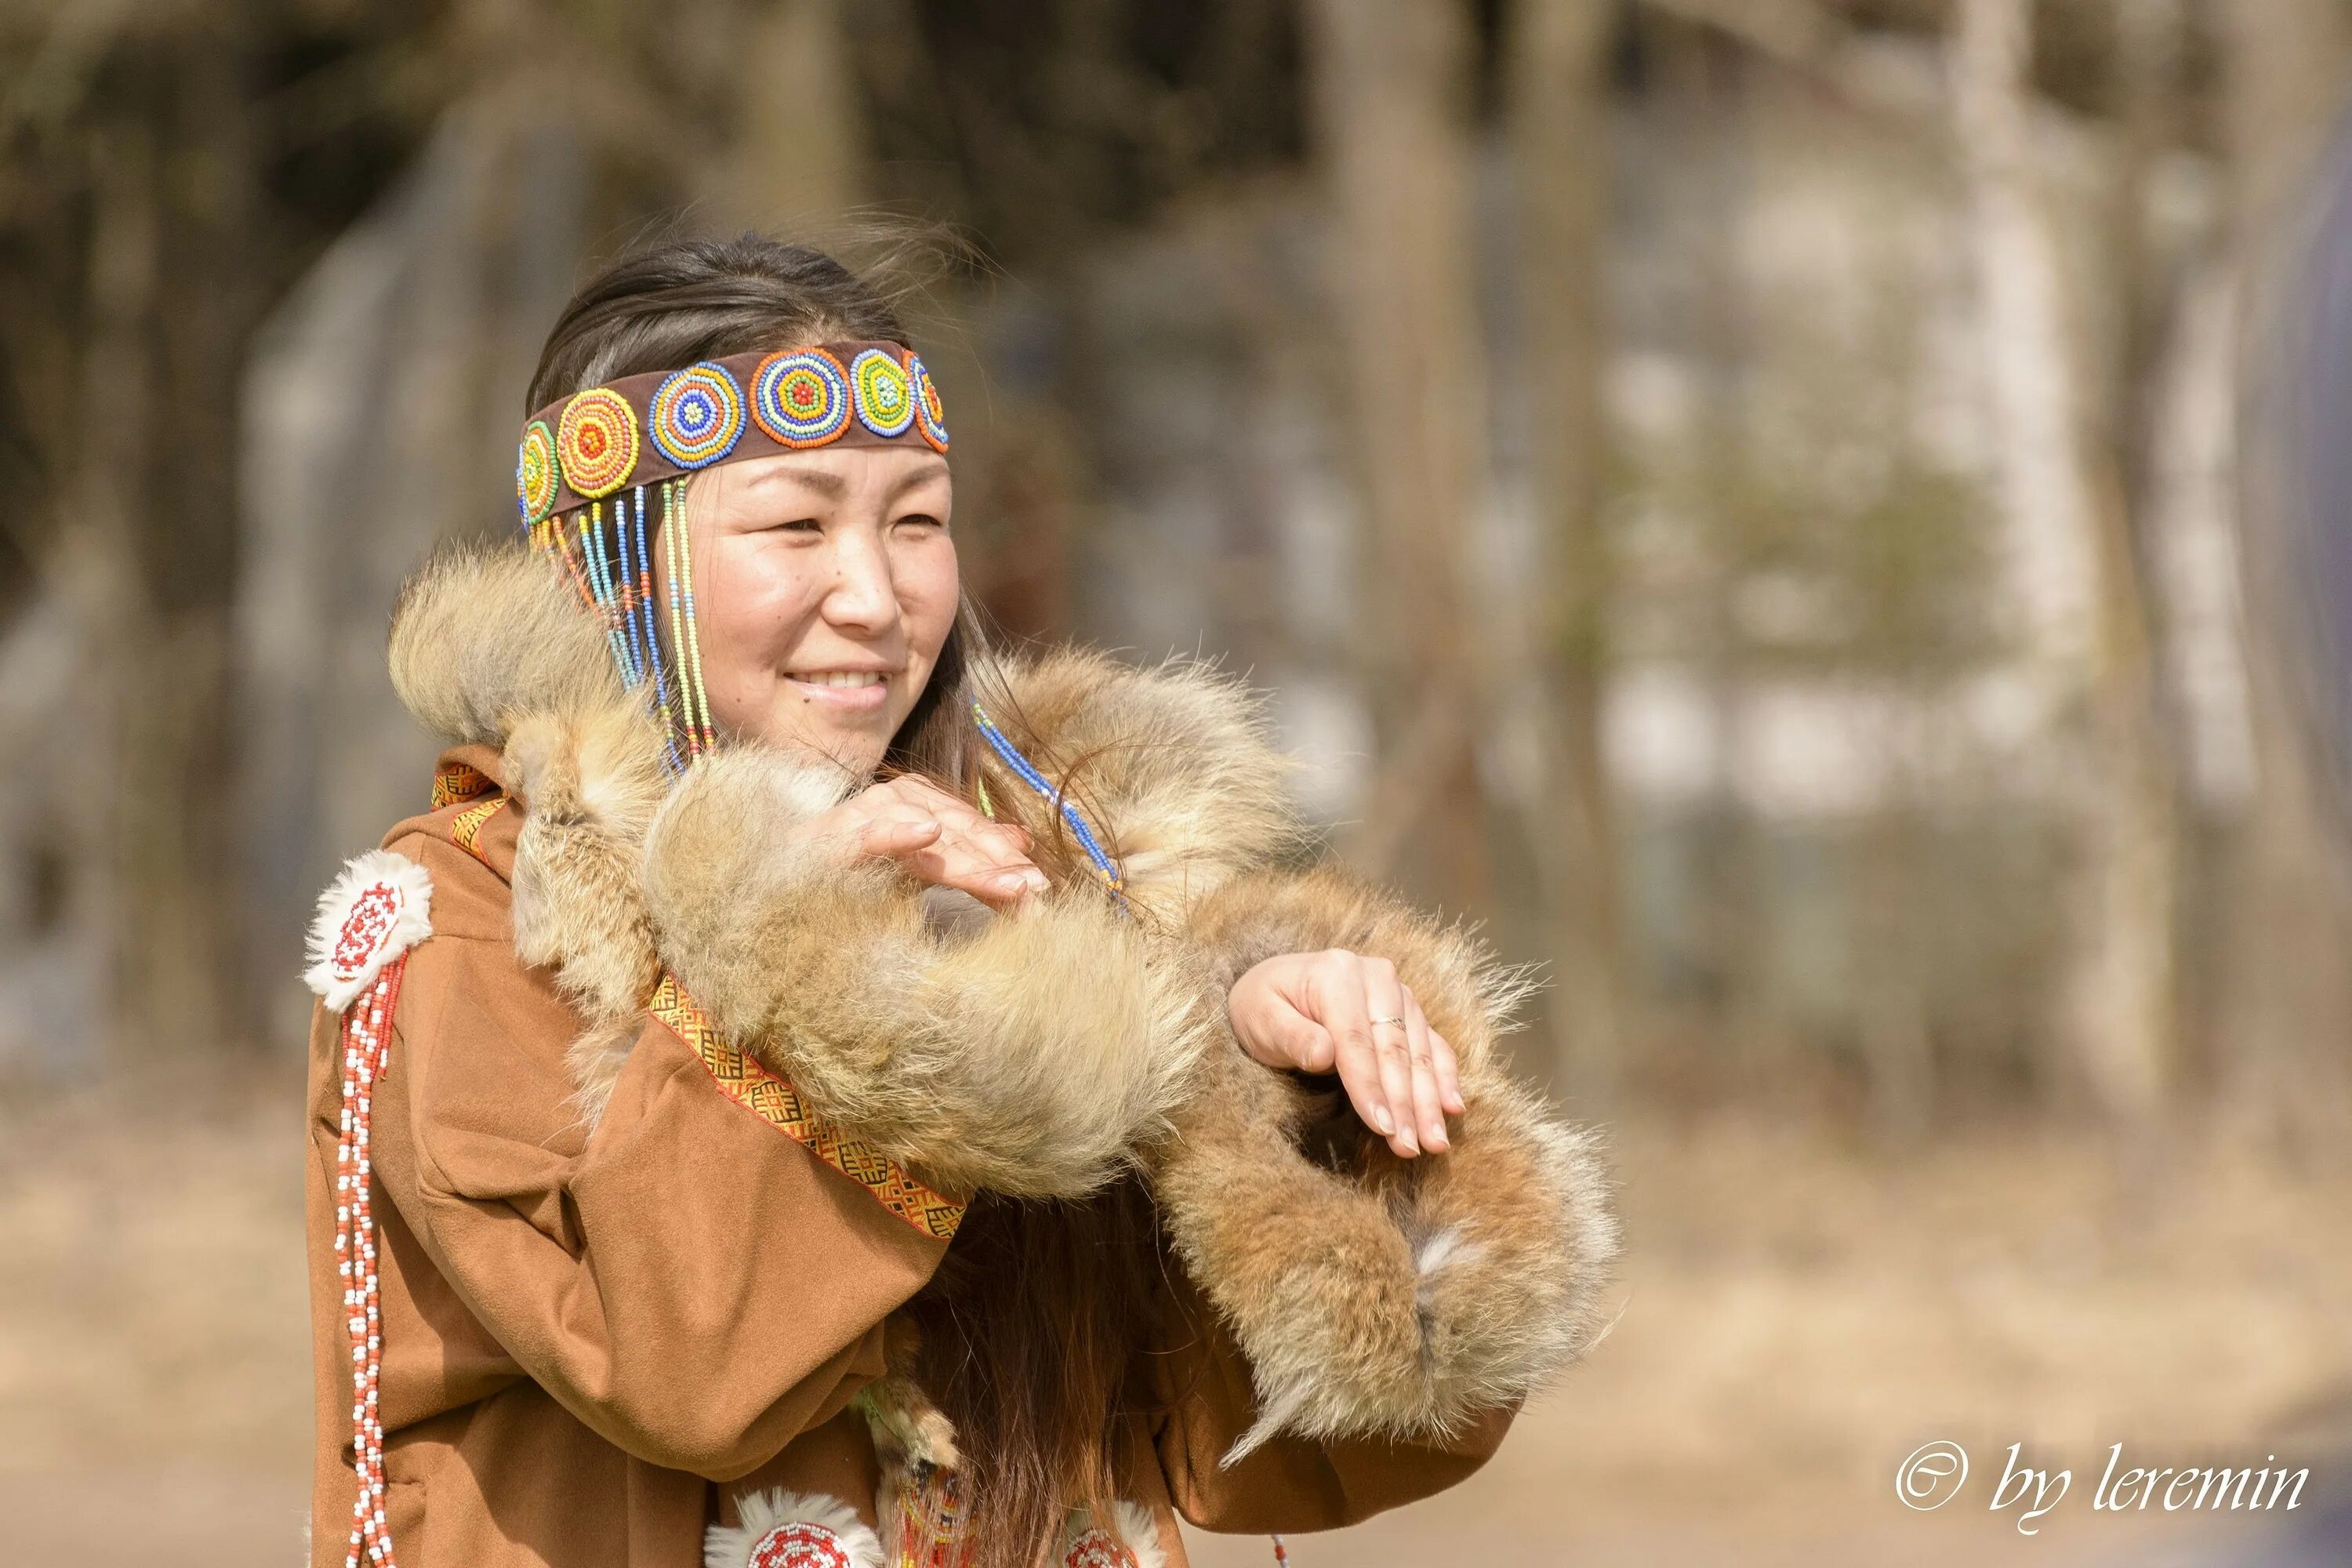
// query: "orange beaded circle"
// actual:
[[597, 442]]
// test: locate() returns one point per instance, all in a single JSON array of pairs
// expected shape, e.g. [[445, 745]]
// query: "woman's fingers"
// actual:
[[1338, 999], [1449, 1074], [1005, 841], [962, 849], [1428, 1093], [894, 838], [1391, 1038], [1293, 1039]]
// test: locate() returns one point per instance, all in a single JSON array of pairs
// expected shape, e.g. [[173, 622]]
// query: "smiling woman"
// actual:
[[841, 1098]]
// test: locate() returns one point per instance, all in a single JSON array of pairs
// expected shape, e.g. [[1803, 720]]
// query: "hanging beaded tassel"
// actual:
[[370, 917], [1026, 772], [367, 1043], [685, 630]]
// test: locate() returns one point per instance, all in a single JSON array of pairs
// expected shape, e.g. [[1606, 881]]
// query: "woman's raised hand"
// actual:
[[1341, 1012], [933, 836]]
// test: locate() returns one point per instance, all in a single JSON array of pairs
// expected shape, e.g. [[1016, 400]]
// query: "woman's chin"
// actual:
[[855, 740]]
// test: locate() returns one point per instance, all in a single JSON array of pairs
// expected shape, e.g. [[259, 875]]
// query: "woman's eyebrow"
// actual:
[[921, 476], [824, 481]]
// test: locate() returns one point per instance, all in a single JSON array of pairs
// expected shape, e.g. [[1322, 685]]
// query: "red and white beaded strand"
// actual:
[[367, 1043]]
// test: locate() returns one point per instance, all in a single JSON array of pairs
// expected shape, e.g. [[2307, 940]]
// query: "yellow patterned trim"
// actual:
[[466, 827], [458, 783], [776, 1102]]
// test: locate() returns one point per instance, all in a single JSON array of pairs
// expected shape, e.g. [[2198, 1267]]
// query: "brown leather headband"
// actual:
[[642, 429]]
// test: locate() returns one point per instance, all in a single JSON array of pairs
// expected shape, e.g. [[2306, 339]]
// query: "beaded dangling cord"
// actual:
[[659, 701], [1281, 1556], [1027, 773], [367, 1043], [675, 521], [592, 552]]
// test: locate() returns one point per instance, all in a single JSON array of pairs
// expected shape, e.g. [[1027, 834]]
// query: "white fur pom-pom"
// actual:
[[378, 909], [791, 1529]]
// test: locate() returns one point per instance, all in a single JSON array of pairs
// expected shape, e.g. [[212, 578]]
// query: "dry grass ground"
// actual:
[[1798, 1316]]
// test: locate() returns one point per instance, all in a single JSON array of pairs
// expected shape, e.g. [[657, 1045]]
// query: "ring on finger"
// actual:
[[1376, 1023]]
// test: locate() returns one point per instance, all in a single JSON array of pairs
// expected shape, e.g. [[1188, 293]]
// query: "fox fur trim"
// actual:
[[484, 635], [1375, 1296], [1030, 1054], [1036, 1053], [1175, 764]]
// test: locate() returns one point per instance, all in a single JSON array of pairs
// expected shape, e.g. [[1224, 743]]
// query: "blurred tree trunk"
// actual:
[[1558, 109], [149, 546], [2075, 579], [1390, 84], [2290, 1007], [800, 164]]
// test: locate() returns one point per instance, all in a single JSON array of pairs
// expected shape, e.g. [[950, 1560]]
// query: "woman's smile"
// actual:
[[846, 691]]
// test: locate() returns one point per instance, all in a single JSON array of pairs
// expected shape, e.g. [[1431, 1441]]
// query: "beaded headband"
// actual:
[[643, 429]]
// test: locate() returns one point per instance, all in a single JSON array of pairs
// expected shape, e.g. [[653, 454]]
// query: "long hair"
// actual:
[[1033, 1328]]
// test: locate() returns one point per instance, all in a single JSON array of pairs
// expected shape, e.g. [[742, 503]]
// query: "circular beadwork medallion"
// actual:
[[930, 415], [799, 1544], [886, 404], [366, 929], [698, 415], [597, 442], [536, 478], [1098, 1548], [800, 398]]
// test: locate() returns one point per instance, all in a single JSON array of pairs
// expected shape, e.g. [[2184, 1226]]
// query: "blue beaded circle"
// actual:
[[885, 401], [800, 398], [930, 416], [697, 415]]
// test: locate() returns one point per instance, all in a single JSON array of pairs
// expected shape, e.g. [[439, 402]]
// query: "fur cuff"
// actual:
[[1373, 1296], [1027, 1054]]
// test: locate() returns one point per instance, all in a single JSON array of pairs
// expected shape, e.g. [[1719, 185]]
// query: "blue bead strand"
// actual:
[[1027, 773], [658, 694], [592, 549]]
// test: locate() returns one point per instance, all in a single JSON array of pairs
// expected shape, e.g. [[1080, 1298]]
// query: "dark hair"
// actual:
[[678, 300], [1037, 1320]]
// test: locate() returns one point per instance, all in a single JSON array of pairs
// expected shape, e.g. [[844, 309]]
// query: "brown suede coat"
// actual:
[[593, 1341]]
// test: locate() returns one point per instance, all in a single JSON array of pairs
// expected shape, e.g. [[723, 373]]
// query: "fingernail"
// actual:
[[1411, 1146], [1383, 1120], [1035, 879], [1437, 1142]]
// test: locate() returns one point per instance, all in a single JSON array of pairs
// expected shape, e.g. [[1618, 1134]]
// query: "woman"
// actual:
[[810, 1092]]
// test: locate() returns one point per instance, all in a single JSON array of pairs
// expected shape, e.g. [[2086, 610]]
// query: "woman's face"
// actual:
[[824, 587]]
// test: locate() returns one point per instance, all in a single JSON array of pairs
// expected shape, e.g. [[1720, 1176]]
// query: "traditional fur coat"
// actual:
[[678, 1117]]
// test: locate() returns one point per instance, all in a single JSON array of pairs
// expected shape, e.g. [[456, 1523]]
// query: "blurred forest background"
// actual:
[[1807, 517]]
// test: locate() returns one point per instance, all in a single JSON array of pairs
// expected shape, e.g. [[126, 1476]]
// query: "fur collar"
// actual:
[[1039, 1053], [1031, 1056]]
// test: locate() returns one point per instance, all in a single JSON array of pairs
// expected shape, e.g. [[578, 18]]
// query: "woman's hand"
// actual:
[[933, 836], [1338, 1011]]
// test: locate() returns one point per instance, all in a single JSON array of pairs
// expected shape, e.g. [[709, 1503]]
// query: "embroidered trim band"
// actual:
[[776, 1102]]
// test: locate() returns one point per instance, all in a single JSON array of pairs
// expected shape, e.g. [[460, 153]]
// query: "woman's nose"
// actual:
[[862, 597]]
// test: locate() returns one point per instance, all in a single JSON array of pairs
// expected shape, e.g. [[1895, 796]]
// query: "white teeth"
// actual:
[[842, 678]]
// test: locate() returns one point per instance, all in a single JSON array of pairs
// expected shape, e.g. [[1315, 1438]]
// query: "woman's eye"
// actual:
[[797, 525], [921, 520]]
